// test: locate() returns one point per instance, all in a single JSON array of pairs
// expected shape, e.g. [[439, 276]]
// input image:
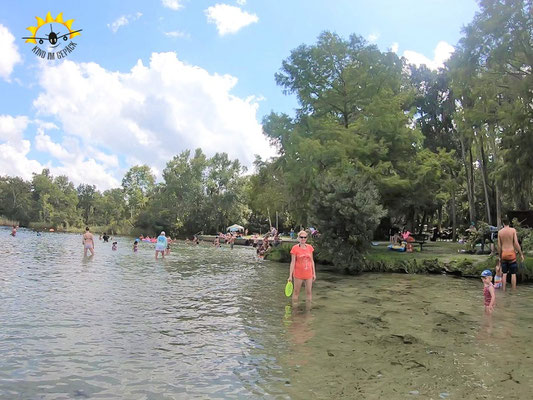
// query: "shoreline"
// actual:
[[379, 259]]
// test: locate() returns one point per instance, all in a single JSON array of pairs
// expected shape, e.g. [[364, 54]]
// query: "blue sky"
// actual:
[[149, 79]]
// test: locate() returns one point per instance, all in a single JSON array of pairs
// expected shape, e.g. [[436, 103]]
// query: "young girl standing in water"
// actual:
[[488, 291]]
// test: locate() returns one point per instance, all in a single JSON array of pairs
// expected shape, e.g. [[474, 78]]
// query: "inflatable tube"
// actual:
[[396, 247]]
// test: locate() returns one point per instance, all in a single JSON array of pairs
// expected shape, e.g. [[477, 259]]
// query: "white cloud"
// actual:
[[172, 4], [442, 52], [146, 115], [123, 20], [14, 161], [12, 128], [14, 149], [81, 165], [177, 34], [9, 53], [373, 37], [229, 19], [394, 47]]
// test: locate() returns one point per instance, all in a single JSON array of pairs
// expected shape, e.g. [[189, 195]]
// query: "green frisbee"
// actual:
[[288, 289]]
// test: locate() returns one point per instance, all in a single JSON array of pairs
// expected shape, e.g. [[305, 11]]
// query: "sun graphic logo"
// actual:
[[55, 35]]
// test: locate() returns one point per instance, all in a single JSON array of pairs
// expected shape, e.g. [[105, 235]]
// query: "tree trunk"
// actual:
[[424, 216], [485, 177], [469, 180], [454, 217], [498, 205], [472, 180]]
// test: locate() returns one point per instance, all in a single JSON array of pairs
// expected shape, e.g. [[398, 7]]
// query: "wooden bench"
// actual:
[[421, 239]]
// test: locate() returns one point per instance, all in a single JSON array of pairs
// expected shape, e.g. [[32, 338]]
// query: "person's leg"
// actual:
[[156, 254], [505, 270], [504, 281], [309, 289], [297, 287], [514, 270], [84, 251], [91, 249]]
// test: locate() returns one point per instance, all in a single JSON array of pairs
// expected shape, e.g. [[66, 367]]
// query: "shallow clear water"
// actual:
[[214, 323]]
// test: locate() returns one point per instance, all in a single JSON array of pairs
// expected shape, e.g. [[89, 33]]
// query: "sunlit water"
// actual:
[[214, 323]]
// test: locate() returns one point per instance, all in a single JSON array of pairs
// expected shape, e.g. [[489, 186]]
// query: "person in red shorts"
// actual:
[[302, 267]]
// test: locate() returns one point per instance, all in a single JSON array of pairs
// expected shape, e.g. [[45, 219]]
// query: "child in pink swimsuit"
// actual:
[[488, 291]]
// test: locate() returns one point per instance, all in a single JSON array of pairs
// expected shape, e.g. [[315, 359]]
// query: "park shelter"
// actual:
[[235, 228]]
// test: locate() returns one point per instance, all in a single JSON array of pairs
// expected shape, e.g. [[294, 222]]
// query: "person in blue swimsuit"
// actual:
[[161, 245]]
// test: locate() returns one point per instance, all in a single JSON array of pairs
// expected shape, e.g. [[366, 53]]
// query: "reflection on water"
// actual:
[[214, 323]]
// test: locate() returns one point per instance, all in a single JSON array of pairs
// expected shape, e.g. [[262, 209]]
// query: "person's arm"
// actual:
[[291, 268], [517, 246], [500, 246], [492, 298], [313, 262]]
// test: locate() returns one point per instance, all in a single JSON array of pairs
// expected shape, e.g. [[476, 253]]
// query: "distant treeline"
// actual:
[[197, 194]]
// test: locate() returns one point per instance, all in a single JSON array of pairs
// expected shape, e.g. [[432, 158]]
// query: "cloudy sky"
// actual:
[[149, 79]]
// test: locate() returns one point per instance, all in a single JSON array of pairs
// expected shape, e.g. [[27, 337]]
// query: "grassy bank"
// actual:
[[437, 257], [124, 229], [8, 222]]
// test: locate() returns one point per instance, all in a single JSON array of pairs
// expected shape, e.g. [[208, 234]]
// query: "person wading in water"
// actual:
[[507, 247]]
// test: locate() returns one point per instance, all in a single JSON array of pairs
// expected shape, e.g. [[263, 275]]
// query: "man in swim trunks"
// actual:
[[507, 247], [88, 242]]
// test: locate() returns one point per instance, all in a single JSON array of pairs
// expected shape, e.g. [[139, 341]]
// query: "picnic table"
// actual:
[[420, 238]]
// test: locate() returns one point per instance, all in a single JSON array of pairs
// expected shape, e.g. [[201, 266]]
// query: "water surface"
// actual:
[[214, 323]]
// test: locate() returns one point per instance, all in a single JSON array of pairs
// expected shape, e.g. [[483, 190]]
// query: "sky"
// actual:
[[145, 80]]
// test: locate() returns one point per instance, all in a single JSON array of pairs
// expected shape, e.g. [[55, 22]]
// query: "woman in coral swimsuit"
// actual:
[[302, 267]]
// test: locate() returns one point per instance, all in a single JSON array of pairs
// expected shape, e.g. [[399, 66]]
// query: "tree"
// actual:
[[88, 196], [347, 210], [137, 184], [15, 199]]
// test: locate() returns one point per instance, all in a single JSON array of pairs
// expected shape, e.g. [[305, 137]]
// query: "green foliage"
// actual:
[[137, 185], [198, 194], [347, 210], [15, 199], [56, 200]]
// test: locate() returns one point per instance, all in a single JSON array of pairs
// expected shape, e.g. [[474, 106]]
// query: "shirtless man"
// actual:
[[507, 247], [88, 242]]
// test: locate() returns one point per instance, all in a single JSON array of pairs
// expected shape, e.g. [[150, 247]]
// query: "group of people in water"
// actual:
[[301, 270], [302, 266], [162, 243]]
